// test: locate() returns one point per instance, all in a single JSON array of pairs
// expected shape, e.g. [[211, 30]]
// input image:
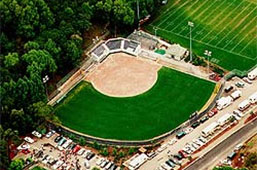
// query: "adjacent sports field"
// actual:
[[228, 28], [165, 106]]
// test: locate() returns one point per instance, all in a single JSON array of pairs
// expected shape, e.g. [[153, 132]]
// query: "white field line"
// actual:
[[235, 27], [241, 30], [206, 16], [221, 21], [228, 23], [177, 9], [251, 31], [166, 11], [184, 12], [249, 42], [208, 44]]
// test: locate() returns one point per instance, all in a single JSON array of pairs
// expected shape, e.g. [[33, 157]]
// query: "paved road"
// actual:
[[206, 162]]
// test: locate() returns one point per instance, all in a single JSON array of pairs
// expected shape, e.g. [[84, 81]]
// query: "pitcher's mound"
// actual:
[[123, 75]]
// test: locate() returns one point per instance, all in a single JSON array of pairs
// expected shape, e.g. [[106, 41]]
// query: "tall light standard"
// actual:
[[208, 54], [190, 24], [138, 17], [155, 30], [45, 79]]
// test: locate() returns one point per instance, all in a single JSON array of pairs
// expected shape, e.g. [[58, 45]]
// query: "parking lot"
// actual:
[[57, 152]]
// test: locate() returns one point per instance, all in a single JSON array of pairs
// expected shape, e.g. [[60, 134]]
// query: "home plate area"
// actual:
[[123, 75]]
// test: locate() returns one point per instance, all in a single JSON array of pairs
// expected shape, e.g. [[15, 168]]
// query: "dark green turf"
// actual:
[[225, 27], [165, 106]]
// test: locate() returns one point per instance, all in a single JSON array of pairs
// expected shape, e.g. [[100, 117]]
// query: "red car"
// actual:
[[213, 112], [76, 149], [182, 153], [25, 151]]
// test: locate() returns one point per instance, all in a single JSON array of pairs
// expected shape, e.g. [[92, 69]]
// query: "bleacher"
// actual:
[[101, 51], [114, 44]]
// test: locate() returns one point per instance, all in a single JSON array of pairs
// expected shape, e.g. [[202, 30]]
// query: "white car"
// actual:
[[50, 133], [238, 147], [81, 151], [57, 164], [202, 139], [23, 147], [87, 165], [236, 117], [29, 140], [99, 161], [37, 134], [67, 143], [104, 163], [189, 130], [172, 141], [238, 113]]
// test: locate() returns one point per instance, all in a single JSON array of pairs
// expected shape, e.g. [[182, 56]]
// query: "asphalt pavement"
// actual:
[[206, 161]]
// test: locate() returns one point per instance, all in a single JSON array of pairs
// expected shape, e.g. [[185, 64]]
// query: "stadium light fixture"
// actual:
[[190, 24], [208, 54], [45, 79]]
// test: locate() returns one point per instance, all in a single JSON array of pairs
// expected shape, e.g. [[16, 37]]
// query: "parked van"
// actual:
[[244, 105], [253, 98]]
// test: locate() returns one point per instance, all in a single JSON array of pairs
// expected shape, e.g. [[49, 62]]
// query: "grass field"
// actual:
[[228, 28], [165, 106]]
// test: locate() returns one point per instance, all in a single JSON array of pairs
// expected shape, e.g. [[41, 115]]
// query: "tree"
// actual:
[[42, 59], [114, 152], [82, 141], [16, 164], [11, 60], [30, 45], [26, 17], [73, 51], [251, 161]]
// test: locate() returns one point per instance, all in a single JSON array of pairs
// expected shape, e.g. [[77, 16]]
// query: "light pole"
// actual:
[[155, 30], [190, 24], [138, 17], [45, 79], [208, 54]]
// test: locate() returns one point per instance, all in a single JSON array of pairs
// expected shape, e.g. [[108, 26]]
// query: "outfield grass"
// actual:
[[165, 106], [228, 28]]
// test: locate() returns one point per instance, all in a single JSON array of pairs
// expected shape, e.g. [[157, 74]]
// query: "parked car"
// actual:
[[203, 119], [180, 134], [50, 133], [247, 80], [195, 124], [57, 139], [231, 155], [25, 151], [240, 84], [172, 141], [213, 112], [228, 89], [81, 151], [37, 134], [182, 153], [29, 140]]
